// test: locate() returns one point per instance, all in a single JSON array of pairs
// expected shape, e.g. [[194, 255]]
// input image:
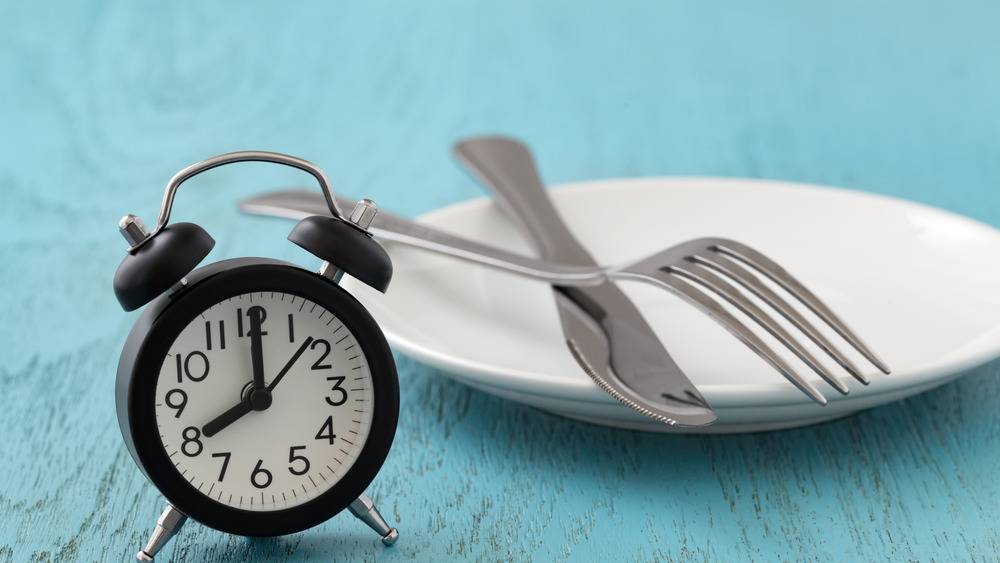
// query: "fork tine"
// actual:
[[779, 275], [734, 271], [724, 289], [697, 297]]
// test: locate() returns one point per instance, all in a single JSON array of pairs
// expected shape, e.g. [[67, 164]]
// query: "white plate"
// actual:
[[920, 285]]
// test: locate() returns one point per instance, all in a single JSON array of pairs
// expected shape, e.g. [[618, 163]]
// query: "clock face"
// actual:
[[281, 440]]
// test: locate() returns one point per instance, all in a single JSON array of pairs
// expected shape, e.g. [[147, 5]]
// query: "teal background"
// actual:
[[101, 102]]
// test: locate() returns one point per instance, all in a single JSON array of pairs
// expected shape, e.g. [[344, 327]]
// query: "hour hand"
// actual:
[[225, 419]]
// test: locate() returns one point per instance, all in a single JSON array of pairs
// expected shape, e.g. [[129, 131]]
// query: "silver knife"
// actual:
[[604, 330]]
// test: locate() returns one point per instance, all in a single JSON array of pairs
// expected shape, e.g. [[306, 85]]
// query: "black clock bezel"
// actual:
[[154, 333]]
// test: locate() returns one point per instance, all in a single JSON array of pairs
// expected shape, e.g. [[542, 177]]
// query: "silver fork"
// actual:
[[704, 268], [704, 272]]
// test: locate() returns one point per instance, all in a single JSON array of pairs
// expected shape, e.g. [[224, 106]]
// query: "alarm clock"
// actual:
[[258, 397]]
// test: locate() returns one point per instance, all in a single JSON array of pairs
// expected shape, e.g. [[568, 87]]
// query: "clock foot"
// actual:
[[166, 526], [364, 509]]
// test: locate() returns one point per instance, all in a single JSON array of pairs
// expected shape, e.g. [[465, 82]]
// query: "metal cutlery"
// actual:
[[697, 271], [296, 204]]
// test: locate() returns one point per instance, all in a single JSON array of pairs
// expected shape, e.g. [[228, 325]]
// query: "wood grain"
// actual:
[[102, 102]]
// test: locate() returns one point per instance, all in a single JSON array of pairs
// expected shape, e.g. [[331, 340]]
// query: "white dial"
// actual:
[[283, 439]]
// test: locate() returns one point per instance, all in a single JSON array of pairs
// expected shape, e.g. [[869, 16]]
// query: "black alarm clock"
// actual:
[[258, 397]]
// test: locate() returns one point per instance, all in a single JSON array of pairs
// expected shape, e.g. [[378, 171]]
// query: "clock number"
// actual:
[[208, 335], [225, 463], [184, 367], [326, 431], [191, 436], [259, 471], [338, 381], [178, 406], [292, 458], [326, 352], [255, 310]]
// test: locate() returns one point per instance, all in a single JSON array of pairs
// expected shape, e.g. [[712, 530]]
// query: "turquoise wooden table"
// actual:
[[101, 102]]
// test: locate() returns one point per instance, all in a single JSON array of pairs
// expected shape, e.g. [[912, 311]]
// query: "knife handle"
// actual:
[[506, 167]]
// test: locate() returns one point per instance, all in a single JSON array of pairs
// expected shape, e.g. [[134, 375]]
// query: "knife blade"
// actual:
[[604, 330]]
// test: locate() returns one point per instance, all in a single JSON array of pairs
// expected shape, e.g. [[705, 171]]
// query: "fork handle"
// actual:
[[299, 204], [506, 167]]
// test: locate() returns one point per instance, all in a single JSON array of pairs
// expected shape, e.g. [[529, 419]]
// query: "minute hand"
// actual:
[[624, 356], [291, 362]]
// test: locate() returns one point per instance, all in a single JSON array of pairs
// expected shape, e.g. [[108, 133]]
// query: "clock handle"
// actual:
[[155, 264], [229, 158], [364, 509], [166, 526]]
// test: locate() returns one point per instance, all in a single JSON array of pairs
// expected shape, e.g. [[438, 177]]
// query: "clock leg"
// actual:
[[364, 509], [166, 526]]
